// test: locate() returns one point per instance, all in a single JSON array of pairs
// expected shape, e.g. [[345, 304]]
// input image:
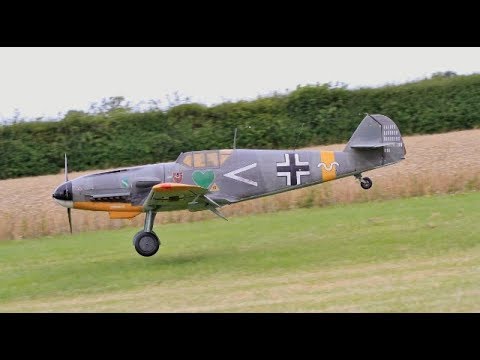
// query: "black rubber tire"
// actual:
[[146, 243], [141, 232], [366, 183]]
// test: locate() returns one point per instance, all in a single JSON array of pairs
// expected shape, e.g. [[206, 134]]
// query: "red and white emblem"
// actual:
[[177, 177]]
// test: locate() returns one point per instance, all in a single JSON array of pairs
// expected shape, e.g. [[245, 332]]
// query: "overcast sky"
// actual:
[[45, 81]]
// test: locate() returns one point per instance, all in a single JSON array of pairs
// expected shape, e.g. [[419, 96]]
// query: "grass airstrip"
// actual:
[[419, 254]]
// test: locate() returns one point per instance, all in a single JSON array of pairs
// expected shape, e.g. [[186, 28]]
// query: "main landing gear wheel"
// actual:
[[366, 183], [146, 243]]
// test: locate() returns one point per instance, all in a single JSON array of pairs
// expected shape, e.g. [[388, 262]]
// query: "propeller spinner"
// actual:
[[64, 195]]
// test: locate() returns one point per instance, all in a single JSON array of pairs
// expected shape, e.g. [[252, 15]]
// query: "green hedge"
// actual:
[[329, 115]]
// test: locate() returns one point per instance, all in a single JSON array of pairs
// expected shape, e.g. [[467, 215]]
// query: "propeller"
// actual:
[[69, 210], [66, 168]]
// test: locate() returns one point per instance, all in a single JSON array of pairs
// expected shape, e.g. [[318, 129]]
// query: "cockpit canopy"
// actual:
[[205, 158]]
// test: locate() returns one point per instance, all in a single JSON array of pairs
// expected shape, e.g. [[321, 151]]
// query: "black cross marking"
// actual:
[[293, 169]]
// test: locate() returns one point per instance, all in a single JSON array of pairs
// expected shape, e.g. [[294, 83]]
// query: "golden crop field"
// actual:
[[435, 164]]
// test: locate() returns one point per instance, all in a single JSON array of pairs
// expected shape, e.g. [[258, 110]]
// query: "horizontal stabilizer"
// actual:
[[370, 146]]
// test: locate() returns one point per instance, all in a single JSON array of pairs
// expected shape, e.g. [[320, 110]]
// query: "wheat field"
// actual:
[[435, 164]]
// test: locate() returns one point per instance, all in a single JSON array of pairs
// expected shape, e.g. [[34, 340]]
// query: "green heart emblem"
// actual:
[[203, 178]]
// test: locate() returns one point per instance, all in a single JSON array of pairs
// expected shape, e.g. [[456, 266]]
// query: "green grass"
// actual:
[[409, 255]]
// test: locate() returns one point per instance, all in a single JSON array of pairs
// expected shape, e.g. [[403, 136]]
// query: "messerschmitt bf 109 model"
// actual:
[[210, 179]]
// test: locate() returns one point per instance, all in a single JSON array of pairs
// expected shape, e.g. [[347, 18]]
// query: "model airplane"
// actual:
[[208, 180]]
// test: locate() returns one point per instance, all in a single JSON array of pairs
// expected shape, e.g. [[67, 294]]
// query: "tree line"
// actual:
[[115, 135]]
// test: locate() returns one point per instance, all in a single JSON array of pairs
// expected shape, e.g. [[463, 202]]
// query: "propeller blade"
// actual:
[[66, 168], [69, 212]]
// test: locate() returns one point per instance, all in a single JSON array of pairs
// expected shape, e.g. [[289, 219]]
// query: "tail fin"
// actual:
[[379, 135]]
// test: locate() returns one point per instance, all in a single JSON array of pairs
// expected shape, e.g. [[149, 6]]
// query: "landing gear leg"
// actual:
[[146, 242], [365, 182]]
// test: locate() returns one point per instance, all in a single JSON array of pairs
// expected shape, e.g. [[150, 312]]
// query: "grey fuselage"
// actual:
[[245, 174]]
